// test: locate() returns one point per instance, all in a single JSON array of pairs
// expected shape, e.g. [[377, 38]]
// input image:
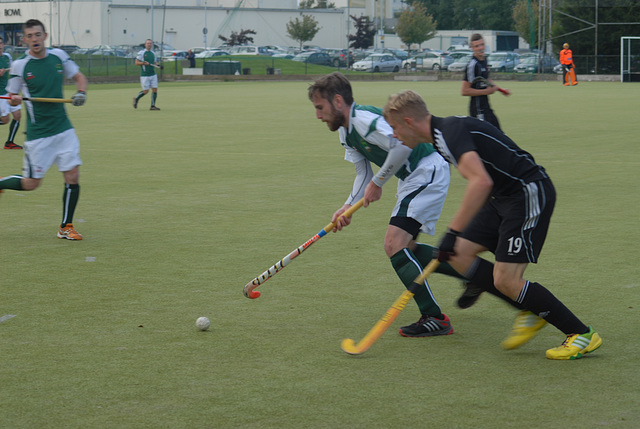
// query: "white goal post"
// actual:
[[629, 59]]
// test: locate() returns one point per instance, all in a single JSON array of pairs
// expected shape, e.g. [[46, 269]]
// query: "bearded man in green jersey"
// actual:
[[5, 107], [50, 135], [422, 188]]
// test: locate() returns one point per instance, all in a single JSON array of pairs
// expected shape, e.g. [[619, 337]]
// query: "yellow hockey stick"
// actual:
[[387, 319]]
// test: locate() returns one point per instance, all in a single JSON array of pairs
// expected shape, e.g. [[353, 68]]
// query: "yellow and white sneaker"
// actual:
[[576, 346], [524, 328], [69, 233]]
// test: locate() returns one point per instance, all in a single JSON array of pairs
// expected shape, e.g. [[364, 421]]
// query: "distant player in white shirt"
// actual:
[[5, 108]]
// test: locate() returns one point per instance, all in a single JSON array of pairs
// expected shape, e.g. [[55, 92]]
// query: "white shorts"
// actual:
[[6, 108], [421, 194], [39, 155], [148, 82]]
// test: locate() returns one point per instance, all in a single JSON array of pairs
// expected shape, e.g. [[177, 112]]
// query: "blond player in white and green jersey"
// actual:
[[5, 108], [422, 188], [147, 59], [50, 135]]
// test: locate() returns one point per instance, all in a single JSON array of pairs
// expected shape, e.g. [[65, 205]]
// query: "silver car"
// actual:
[[429, 60], [460, 64], [378, 63]]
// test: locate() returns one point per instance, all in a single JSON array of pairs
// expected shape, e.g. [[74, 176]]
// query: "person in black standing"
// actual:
[[192, 59], [479, 92]]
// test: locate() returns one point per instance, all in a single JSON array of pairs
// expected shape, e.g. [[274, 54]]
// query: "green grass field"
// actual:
[[181, 208]]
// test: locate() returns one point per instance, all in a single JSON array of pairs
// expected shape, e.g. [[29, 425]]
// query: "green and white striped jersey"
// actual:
[[150, 57], [5, 63], [43, 77], [369, 136]]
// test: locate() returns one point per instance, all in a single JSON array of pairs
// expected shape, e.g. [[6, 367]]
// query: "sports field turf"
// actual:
[[181, 208]]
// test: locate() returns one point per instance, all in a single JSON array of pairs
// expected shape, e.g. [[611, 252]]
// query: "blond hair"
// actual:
[[407, 104]]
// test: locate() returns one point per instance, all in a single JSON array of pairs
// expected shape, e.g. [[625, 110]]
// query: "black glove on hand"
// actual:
[[79, 98], [446, 245]]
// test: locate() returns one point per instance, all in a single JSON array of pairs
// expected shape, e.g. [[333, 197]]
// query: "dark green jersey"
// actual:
[[150, 57], [43, 77], [5, 63], [371, 136]]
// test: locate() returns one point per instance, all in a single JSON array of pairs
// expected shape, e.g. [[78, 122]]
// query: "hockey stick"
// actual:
[[41, 100], [486, 82], [387, 319], [249, 291]]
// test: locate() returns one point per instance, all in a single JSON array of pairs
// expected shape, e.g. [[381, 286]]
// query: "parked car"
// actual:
[[378, 63], [536, 63], [398, 53], [106, 51], [429, 60], [210, 53], [502, 61], [459, 54], [340, 57], [174, 55], [460, 64], [249, 50], [67, 48], [313, 57], [284, 53]]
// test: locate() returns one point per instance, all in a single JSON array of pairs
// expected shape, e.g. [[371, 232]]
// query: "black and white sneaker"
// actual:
[[428, 326], [470, 295]]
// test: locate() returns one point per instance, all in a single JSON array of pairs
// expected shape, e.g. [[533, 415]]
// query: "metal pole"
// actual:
[[596, 25]]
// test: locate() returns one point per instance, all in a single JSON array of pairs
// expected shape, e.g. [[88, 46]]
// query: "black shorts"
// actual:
[[514, 227], [407, 224], [480, 108]]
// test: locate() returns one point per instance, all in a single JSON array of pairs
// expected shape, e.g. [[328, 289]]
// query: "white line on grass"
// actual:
[[7, 317]]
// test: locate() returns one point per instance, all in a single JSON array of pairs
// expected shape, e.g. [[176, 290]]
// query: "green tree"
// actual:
[[365, 33], [470, 14], [236, 39], [303, 30], [322, 4], [415, 26], [525, 16]]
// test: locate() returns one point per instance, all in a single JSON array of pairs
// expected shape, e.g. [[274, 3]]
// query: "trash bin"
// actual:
[[246, 71], [221, 67]]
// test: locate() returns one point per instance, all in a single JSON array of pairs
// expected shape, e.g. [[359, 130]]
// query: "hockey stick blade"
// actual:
[[249, 289], [349, 346]]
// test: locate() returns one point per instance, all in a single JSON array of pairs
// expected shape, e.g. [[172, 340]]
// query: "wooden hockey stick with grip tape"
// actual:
[[40, 99], [249, 289]]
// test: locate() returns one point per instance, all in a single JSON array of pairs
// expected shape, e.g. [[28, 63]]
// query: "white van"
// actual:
[[249, 50]]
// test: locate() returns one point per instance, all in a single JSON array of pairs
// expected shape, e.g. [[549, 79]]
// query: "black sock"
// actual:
[[13, 129], [537, 299], [69, 202], [480, 273]]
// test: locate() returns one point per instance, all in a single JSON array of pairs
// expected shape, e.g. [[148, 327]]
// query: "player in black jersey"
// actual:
[[479, 90], [505, 209]]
